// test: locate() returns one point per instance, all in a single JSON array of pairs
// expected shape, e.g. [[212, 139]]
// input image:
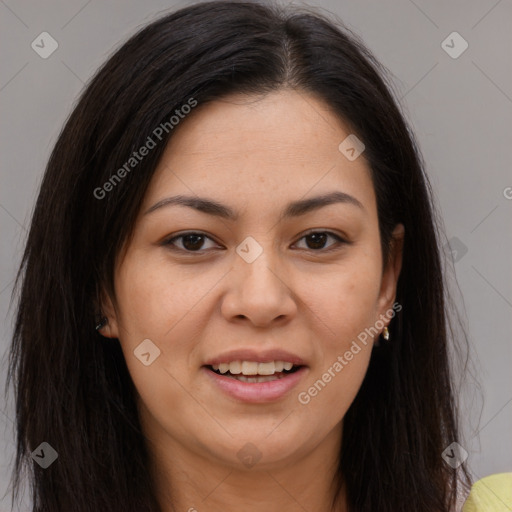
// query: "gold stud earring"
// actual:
[[385, 333]]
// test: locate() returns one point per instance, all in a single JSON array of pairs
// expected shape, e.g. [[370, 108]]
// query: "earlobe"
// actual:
[[105, 329]]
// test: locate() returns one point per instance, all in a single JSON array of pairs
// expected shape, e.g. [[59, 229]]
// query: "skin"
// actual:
[[254, 154]]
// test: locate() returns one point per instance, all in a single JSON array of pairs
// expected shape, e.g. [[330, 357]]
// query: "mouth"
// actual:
[[255, 372], [255, 382]]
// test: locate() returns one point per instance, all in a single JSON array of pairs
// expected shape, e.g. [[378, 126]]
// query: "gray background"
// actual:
[[460, 108]]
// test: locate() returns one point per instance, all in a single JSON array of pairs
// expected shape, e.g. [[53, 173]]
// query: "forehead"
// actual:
[[269, 148]]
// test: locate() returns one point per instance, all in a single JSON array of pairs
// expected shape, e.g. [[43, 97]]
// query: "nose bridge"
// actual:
[[260, 293], [258, 262]]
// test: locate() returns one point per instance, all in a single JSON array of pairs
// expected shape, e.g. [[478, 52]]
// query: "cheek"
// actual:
[[168, 307], [153, 297], [332, 392], [348, 311], [350, 304], [157, 303], [348, 300]]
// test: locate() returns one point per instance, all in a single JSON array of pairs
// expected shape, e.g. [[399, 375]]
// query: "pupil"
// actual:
[[320, 243], [197, 241]]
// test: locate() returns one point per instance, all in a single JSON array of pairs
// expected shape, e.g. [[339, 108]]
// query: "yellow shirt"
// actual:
[[490, 494]]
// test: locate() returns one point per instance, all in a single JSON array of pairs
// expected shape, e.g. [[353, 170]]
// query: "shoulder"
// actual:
[[490, 494]]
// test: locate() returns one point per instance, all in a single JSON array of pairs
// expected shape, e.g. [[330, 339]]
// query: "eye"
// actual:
[[317, 240], [194, 241], [191, 241]]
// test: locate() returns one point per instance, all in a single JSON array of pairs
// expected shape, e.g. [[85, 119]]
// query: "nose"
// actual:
[[259, 292]]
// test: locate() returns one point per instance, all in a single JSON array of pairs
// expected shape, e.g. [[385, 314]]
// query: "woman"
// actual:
[[232, 295]]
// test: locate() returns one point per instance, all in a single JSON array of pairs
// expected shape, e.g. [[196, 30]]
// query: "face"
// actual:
[[263, 279]]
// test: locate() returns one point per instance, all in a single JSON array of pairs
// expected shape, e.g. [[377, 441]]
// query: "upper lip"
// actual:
[[263, 356]]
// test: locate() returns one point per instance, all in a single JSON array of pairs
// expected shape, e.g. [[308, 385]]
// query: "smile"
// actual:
[[252, 371], [251, 381]]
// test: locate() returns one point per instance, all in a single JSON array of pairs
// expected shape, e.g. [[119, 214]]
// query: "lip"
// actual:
[[265, 356], [257, 392]]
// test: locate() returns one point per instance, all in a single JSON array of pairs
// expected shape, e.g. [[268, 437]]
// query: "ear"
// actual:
[[107, 309], [391, 271]]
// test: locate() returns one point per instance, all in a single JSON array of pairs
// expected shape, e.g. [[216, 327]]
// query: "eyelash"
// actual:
[[338, 238]]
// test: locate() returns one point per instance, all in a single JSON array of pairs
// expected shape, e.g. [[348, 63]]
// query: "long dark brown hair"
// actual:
[[73, 390]]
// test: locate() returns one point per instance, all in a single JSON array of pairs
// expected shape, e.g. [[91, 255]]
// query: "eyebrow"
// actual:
[[293, 209]]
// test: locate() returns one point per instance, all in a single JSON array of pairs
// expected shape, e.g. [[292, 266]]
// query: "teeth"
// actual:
[[253, 368], [249, 368], [266, 368], [279, 366], [267, 378], [235, 367]]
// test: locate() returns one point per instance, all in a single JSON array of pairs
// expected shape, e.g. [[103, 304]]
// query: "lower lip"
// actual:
[[257, 392]]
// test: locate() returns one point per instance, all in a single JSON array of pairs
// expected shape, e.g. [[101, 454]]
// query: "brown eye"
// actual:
[[195, 241], [190, 242], [317, 240]]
